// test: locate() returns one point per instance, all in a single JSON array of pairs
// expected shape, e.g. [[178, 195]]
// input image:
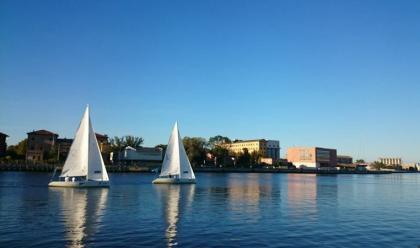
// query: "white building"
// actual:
[[140, 154], [410, 166], [391, 161]]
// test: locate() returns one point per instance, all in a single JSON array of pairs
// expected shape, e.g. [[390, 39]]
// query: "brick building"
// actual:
[[312, 157], [40, 145]]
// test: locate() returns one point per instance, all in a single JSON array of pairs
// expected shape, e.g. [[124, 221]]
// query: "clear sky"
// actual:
[[339, 74]]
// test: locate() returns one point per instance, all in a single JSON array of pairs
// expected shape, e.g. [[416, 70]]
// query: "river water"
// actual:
[[221, 210]]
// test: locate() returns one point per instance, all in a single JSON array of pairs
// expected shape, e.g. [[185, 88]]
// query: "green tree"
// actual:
[[163, 147], [217, 140], [255, 157], [51, 155], [18, 151], [133, 141], [360, 161], [196, 149], [244, 158], [378, 165], [222, 155], [119, 143]]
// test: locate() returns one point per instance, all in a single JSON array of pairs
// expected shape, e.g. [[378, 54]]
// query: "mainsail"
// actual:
[[176, 161], [85, 158]]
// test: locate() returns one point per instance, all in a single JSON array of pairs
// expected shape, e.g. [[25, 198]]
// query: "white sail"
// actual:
[[96, 166], [85, 158], [176, 161]]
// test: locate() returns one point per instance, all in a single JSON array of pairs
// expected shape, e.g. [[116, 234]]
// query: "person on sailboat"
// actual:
[[84, 166], [176, 167]]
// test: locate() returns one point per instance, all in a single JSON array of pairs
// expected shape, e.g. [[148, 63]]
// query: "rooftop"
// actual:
[[101, 136], [3, 134], [252, 140], [42, 132]]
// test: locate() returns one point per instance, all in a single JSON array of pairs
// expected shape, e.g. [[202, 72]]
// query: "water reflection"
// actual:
[[302, 194], [175, 199], [81, 212], [307, 194], [247, 192]]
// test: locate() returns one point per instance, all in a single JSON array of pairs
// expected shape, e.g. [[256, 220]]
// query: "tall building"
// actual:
[[312, 157], [267, 148], [391, 161], [40, 144], [3, 144]]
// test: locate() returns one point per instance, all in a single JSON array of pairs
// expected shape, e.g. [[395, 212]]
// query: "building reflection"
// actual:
[[81, 212], [246, 191], [175, 199], [302, 194], [308, 194]]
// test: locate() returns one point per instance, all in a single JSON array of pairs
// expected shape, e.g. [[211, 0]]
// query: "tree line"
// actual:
[[200, 151]]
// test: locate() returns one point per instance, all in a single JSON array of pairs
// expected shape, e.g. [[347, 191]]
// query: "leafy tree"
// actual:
[[18, 151], [119, 143], [217, 140], [195, 148], [222, 155], [360, 161], [255, 157], [378, 165], [133, 141], [51, 155], [244, 158], [163, 147]]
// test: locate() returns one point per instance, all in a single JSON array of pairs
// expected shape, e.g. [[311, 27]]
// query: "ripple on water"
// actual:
[[222, 210]]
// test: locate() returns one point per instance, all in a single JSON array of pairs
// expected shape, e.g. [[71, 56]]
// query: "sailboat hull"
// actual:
[[80, 184], [173, 181]]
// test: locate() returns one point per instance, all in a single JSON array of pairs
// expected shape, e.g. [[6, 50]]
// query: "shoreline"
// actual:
[[143, 169]]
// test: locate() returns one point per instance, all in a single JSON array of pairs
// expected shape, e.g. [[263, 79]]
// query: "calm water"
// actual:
[[235, 210]]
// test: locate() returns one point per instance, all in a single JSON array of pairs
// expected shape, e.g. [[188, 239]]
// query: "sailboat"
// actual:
[[84, 166], [176, 167]]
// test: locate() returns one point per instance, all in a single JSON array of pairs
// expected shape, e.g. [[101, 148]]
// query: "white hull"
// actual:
[[173, 181], [79, 184]]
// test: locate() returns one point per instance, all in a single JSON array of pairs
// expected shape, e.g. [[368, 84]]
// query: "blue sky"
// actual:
[[340, 74]]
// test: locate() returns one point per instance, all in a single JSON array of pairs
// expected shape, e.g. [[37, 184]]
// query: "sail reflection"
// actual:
[[82, 211], [175, 199]]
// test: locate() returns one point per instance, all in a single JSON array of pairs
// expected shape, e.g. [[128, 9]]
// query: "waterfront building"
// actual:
[[341, 159], [267, 148], [139, 156], [40, 144], [104, 146], [103, 143], [391, 161], [353, 167], [3, 144], [63, 148], [411, 166], [312, 157]]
